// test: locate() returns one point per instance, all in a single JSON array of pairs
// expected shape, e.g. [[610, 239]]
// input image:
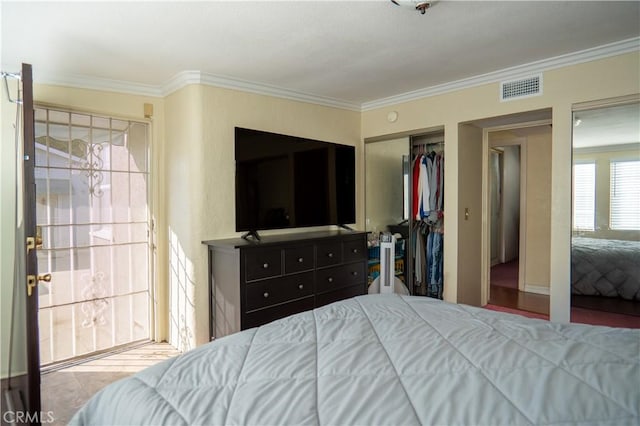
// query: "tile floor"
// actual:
[[64, 391]]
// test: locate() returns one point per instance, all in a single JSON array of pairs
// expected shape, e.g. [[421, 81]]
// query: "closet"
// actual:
[[426, 218], [405, 196]]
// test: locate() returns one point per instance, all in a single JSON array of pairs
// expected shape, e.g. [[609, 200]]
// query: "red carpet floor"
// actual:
[[505, 274]]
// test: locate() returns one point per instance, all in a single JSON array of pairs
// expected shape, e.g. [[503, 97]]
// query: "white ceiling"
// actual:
[[350, 51], [614, 125]]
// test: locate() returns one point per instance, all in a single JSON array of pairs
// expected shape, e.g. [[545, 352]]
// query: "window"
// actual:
[[625, 195], [584, 196]]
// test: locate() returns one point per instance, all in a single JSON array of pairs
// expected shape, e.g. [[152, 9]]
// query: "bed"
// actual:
[[389, 359], [601, 267]]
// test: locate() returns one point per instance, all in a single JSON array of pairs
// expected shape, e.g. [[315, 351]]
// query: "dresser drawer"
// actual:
[[340, 276], [262, 263], [328, 253], [298, 259], [252, 283], [261, 294], [354, 250], [263, 316]]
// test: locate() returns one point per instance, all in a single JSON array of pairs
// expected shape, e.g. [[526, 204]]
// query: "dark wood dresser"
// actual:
[[255, 282]]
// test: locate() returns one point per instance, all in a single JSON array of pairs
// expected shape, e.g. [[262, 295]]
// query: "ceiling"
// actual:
[[613, 125], [350, 51]]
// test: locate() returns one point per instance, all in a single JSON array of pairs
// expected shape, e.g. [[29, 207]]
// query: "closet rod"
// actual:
[[424, 147], [428, 143]]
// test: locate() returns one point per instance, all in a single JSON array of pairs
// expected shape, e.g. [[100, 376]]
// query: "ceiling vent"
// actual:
[[521, 88]]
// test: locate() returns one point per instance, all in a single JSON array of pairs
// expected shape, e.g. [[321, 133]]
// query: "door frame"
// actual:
[[155, 326], [31, 260], [485, 257], [520, 142], [500, 236]]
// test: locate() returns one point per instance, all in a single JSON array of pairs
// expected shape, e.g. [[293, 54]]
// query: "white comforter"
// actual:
[[387, 359]]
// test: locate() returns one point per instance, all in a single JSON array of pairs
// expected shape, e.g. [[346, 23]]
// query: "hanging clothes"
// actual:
[[428, 212], [434, 251]]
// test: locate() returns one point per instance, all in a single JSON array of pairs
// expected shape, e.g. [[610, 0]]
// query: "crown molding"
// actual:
[[592, 54], [185, 78], [95, 83], [197, 77]]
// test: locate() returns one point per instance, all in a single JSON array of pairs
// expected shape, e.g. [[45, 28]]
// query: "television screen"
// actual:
[[289, 182]]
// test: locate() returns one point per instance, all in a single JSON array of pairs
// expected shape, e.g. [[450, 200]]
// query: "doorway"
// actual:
[[505, 200], [517, 229], [92, 211]]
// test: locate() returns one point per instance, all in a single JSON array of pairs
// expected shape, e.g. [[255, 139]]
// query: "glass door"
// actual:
[[92, 196]]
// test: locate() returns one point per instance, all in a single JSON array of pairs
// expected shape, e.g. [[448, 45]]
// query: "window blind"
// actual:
[[584, 196], [625, 195]]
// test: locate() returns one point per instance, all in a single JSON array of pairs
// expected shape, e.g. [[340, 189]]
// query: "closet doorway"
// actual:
[[93, 213]]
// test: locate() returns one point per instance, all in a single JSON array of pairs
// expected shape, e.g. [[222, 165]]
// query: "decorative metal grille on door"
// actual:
[[92, 186]]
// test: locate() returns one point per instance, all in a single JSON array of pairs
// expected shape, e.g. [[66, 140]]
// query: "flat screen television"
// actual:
[[289, 182]]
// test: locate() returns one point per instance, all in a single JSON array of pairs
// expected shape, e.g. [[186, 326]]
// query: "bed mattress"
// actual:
[[389, 359], [609, 268]]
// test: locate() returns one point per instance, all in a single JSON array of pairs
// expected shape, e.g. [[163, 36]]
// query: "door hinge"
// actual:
[[35, 242], [32, 281]]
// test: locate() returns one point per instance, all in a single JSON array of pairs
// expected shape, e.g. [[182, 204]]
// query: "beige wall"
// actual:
[[184, 167], [536, 169], [192, 183], [201, 191], [202, 170], [469, 225], [605, 78], [538, 213], [384, 184]]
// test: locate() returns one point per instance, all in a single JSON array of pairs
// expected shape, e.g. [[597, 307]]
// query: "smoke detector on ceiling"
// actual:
[[420, 6]]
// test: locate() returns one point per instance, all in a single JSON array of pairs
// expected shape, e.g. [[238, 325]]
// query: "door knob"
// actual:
[[32, 281]]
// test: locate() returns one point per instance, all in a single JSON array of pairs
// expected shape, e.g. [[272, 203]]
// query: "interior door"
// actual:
[[33, 241]]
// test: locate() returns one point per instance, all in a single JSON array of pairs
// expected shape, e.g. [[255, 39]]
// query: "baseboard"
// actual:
[[13, 399], [538, 289]]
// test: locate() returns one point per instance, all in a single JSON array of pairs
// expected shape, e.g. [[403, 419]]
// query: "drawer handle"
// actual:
[[300, 260], [266, 294], [300, 286], [355, 250], [329, 255], [330, 279], [265, 266], [354, 273]]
